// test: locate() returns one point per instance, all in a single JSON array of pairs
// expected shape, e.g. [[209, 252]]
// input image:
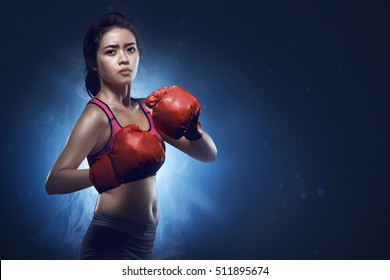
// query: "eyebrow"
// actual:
[[117, 46]]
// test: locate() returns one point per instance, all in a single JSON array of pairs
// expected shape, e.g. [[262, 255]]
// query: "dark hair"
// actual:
[[92, 39]]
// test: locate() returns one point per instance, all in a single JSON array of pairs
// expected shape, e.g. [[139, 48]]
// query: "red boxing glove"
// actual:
[[135, 155], [175, 112]]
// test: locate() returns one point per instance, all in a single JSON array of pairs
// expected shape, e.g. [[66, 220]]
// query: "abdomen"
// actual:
[[135, 201]]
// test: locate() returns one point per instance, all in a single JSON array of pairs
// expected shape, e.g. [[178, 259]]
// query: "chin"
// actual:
[[125, 82], [128, 80]]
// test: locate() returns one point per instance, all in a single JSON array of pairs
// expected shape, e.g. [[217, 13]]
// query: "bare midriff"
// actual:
[[135, 201]]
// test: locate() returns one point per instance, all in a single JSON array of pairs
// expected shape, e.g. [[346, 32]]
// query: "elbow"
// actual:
[[213, 157], [210, 156], [214, 153], [49, 186]]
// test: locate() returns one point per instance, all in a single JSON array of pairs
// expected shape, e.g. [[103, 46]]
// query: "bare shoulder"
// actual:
[[91, 123], [93, 115], [142, 102]]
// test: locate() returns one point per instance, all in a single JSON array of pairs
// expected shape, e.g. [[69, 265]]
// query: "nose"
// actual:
[[124, 62], [123, 59]]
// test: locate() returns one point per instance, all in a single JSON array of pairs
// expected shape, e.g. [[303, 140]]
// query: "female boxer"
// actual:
[[123, 140]]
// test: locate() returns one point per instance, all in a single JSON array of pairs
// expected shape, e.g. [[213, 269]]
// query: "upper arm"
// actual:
[[82, 139]]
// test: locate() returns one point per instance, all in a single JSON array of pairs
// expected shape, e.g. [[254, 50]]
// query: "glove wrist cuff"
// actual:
[[194, 134], [103, 175]]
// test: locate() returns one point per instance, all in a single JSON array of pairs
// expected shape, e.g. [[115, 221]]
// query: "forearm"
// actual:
[[203, 149], [67, 181]]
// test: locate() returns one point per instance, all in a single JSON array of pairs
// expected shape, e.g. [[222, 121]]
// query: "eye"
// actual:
[[131, 49], [110, 52]]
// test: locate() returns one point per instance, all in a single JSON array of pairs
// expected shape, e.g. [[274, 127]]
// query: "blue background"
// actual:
[[294, 93]]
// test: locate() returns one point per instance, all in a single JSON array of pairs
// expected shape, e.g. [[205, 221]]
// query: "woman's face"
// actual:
[[117, 57]]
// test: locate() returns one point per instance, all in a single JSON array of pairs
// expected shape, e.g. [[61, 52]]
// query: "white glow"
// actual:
[[177, 193]]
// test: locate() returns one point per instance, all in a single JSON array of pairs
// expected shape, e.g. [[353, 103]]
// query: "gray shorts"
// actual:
[[112, 238]]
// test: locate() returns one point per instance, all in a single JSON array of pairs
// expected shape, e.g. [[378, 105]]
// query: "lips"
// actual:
[[125, 71]]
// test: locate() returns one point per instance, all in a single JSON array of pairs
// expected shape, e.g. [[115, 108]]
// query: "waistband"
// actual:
[[122, 224]]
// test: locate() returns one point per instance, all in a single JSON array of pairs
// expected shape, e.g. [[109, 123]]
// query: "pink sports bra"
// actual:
[[115, 127]]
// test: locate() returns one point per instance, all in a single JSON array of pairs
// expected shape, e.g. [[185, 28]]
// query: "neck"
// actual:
[[114, 94]]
